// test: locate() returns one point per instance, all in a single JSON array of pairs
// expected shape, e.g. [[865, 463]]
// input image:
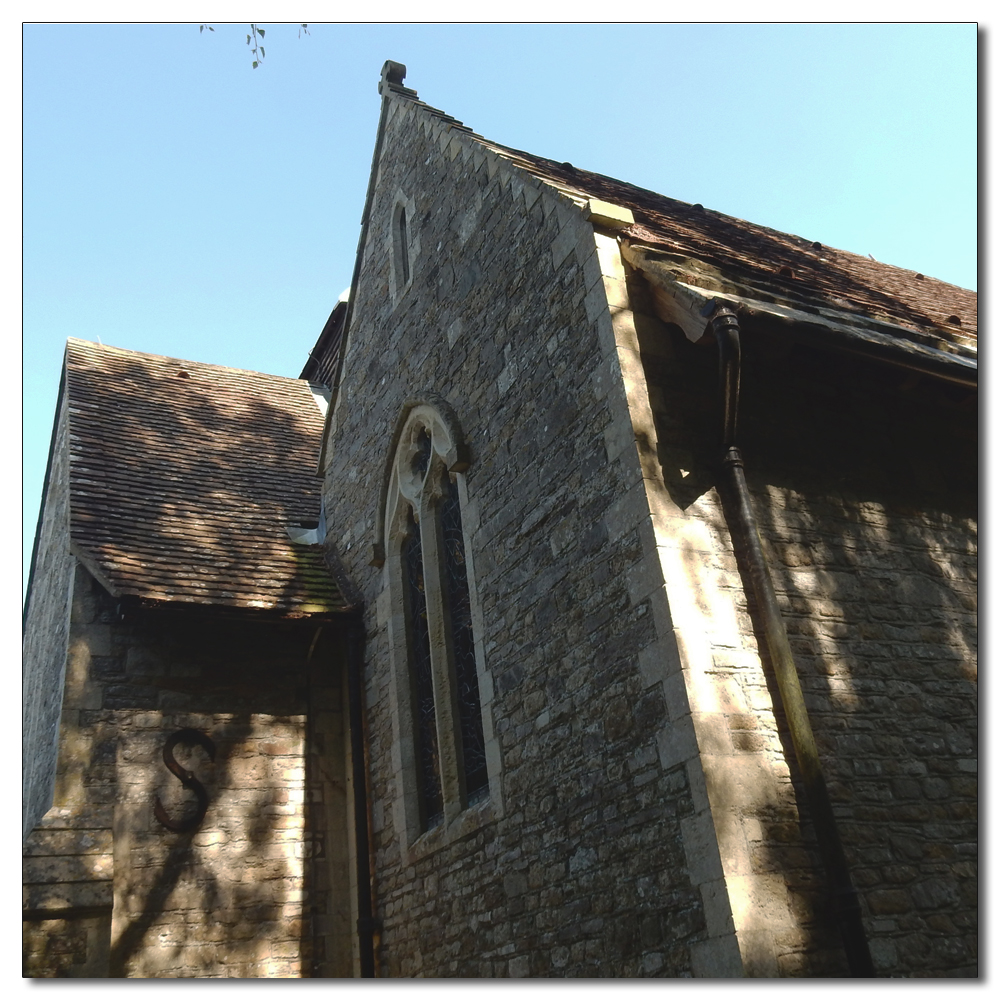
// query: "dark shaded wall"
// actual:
[[864, 481], [261, 887], [46, 632]]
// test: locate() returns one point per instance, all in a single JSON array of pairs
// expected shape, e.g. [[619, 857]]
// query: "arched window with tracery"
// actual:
[[441, 745]]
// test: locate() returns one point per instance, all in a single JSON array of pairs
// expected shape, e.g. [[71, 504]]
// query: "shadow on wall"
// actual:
[[201, 478], [227, 898], [870, 523], [188, 482], [232, 898], [864, 484]]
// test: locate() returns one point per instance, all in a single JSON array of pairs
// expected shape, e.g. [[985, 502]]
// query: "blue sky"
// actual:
[[179, 202]]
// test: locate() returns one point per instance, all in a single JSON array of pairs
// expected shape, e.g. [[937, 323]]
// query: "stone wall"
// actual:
[[864, 483], [46, 633], [72, 947], [577, 864], [647, 818], [261, 887]]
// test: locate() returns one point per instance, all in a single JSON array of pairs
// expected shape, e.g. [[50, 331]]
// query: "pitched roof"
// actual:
[[786, 275], [844, 279], [184, 478]]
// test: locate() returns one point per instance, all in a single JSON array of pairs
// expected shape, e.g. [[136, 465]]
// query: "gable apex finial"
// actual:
[[393, 74]]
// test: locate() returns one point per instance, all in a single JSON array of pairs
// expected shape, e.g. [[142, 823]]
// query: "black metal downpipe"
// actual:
[[367, 925], [847, 908]]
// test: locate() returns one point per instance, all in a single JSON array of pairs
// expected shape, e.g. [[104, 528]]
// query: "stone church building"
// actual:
[[600, 601]]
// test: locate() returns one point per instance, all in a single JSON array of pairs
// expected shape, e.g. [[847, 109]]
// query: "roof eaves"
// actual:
[[688, 306], [93, 566], [307, 613]]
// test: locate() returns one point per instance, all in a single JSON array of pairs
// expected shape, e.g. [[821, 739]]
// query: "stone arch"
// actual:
[[436, 409]]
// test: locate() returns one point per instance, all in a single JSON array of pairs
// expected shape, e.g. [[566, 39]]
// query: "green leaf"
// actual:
[[248, 39], [262, 52], [201, 28], [256, 64], [260, 31]]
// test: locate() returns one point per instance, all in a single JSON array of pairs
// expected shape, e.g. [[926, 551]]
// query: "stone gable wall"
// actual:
[[577, 866]]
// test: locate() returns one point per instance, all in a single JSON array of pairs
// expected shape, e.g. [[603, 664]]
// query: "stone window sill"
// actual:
[[469, 821]]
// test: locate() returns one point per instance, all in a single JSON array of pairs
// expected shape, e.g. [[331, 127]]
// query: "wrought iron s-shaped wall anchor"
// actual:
[[189, 737]]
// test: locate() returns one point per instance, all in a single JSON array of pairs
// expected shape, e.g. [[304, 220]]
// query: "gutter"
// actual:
[[743, 526], [696, 313], [368, 925], [687, 305]]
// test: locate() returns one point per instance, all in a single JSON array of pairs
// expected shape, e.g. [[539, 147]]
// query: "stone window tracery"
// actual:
[[441, 742]]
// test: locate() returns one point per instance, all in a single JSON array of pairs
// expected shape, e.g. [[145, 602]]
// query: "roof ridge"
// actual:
[[79, 342]]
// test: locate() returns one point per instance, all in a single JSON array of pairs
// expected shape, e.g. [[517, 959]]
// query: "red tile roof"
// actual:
[[779, 264], [773, 266], [184, 477]]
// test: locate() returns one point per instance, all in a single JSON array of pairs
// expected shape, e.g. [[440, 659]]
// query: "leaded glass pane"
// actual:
[[423, 456], [425, 722], [470, 716]]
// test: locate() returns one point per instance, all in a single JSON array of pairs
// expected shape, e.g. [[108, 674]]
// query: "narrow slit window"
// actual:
[[404, 247]]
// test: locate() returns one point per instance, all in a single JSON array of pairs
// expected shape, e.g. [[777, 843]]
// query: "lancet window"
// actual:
[[440, 719], [404, 246]]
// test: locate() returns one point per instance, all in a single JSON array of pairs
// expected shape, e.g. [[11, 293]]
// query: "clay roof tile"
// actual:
[[184, 477]]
